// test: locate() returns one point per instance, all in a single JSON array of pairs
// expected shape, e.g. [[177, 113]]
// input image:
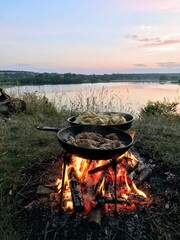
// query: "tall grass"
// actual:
[[98, 100]]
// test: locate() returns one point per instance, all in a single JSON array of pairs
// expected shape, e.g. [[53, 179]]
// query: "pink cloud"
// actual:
[[154, 42]]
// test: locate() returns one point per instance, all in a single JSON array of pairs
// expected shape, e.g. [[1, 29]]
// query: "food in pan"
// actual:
[[100, 118], [96, 140]]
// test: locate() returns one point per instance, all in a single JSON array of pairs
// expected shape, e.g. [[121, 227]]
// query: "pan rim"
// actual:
[[99, 126], [120, 124]]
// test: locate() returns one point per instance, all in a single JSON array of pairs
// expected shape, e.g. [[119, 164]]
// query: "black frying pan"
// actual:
[[123, 126], [89, 153]]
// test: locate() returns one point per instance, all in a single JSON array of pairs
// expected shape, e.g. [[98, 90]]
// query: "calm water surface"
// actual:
[[117, 96]]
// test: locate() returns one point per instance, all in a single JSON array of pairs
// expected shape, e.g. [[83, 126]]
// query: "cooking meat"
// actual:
[[96, 140], [112, 136]]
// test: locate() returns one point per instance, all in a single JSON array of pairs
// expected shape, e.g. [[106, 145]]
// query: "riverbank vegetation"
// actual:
[[22, 146], [34, 78]]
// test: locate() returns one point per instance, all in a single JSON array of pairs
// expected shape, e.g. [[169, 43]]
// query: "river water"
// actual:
[[120, 96]]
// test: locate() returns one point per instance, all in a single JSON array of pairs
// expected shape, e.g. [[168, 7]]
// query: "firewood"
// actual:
[[76, 192], [103, 167], [94, 220], [98, 184], [130, 168], [3, 95], [135, 197], [103, 200], [9, 105], [145, 174]]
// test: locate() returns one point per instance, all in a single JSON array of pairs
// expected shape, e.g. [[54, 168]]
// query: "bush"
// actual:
[[160, 108], [37, 104]]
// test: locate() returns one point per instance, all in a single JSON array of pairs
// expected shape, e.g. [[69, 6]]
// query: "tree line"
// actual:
[[34, 78]]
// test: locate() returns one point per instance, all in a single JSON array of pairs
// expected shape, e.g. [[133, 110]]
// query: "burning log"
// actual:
[[76, 192], [136, 197], [100, 184], [130, 167], [145, 174], [127, 164], [104, 200], [95, 216], [103, 167]]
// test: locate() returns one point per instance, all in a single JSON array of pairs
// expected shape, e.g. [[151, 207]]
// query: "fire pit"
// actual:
[[91, 183], [93, 186], [99, 133], [137, 217]]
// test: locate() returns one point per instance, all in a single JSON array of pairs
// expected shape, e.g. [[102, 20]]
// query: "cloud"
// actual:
[[153, 42], [133, 37], [169, 64], [140, 65], [156, 42]]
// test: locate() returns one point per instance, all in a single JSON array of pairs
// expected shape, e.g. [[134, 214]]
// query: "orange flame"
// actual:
[[127, 185], [141, 193], [88, 181], [59, 184], [102, 187]]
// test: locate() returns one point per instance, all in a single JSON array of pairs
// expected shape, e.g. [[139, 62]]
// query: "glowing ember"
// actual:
[[91, 182]]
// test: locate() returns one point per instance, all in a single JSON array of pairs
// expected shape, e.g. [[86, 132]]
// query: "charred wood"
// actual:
[[94, 220], [9, 105], [97, 189], [139, 170], [104, 200], [76, 192], [126, 162], [130, 167], [103, 167], [3, 95], [145, 174], [136, 197]]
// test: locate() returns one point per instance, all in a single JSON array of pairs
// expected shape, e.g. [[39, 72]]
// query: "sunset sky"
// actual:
[[90, 36]]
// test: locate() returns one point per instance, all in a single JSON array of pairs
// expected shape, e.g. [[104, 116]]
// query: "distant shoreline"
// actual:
[[34, 78]]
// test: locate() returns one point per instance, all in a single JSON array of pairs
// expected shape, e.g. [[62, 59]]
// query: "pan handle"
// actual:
[[52, 129]]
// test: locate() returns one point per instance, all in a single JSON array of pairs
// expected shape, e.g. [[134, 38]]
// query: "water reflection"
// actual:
[[121, 96]]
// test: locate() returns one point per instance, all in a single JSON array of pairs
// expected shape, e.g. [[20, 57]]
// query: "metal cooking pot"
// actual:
[[89, 153], [123, 126]]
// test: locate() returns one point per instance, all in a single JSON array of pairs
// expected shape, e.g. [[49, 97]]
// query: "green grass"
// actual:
[[22, 145], [162, 133]]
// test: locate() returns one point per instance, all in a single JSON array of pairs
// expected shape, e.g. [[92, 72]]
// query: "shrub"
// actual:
[[37, 104], [160, 108]]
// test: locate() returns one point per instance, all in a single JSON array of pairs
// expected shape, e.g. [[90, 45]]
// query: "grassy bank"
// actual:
[[21, 146]]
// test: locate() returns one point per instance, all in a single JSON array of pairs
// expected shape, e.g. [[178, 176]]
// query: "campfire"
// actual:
[[70, 197], [97, 178], [97, 186]]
